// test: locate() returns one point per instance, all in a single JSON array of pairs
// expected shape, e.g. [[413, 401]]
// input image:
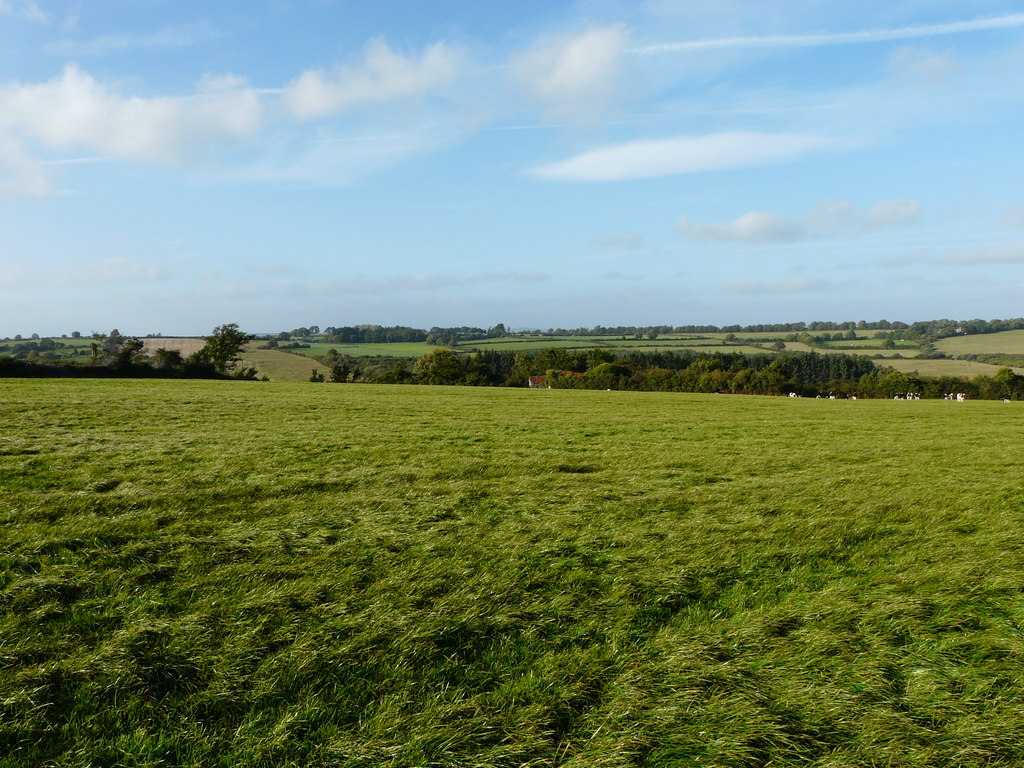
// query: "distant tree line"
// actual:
[[44, 349], [115, 355], [373, 334], [817, 332], [804, 373], [378, 334], [934, 329]]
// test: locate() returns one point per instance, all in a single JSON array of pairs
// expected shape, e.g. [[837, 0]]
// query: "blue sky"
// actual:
[[170, 166]]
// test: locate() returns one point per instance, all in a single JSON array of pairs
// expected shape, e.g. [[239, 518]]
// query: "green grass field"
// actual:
[[281, 366], [398, 349], [1005, 342], [966, 368], [256, 574], [872, 345]]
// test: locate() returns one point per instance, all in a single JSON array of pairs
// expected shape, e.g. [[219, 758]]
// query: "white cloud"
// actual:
[[832, 215], [681, 155], [752, 227], [1005, 21], [574, 78], [897, 212], [828, 218], [74, 110], [28, 10], [20, 174], [383, 76]]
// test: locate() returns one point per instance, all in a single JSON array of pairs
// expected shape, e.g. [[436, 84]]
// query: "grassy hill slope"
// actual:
[[281, 366], [244, 574], [1004, 342]]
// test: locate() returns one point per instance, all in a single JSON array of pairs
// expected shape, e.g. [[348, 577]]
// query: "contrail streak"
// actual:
[[839, 38]]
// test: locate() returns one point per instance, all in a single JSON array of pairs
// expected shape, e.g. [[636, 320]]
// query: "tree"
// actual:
[[223, 347], [167, 358], [340, 371], [316, 377], [129, 349], [442, 366]]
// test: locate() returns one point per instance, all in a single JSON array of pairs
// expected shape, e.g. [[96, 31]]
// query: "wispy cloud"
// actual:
[[168, 38], [507, 277], [364, 287], [74, 110], [926, 67], [384, 75], [28, 10], [880, 35], [105, 271], [828, 218], [796, 284], [622, 276], [21, 175], [626, 242], [1008, 253], [574, 78], [751, 227], [1014, 218], [682, 155]]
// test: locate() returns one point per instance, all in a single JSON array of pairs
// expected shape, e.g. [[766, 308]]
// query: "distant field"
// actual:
[[945, 367], [399, 349], [253, 574], [765, 335], [870, 344], [1005, 342], [280, 366], [186, 346], [901, 351]]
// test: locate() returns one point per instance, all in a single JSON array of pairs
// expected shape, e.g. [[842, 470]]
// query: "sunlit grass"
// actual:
[[246, 574]]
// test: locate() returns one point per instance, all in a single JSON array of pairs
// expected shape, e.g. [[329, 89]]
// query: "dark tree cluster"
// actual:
[[803, 373], [115, 355], [373, 334]]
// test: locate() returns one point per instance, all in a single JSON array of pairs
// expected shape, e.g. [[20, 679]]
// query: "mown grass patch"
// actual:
[[234, 573], [277, 365], [1004, 342], [944, 367]]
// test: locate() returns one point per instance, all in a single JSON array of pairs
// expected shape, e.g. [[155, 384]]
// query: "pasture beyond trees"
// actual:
[[230, 574]]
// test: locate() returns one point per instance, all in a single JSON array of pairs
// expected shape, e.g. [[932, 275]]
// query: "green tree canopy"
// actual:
[[442, 366], [224, 346]]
